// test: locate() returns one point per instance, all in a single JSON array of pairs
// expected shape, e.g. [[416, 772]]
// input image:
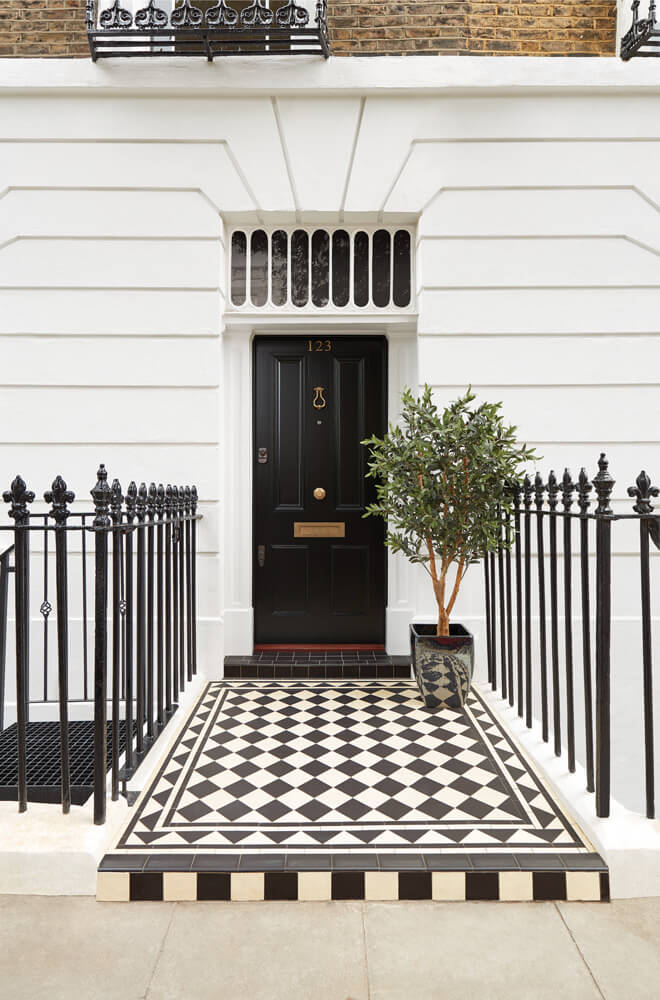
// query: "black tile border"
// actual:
[[364, 861]]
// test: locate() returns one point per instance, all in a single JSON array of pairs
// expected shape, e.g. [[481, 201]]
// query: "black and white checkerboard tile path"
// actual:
[[346, 790]]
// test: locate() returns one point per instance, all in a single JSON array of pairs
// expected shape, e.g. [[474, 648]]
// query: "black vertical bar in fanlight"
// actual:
[[151, 514], [567, 487], [141, 649], [59, 496], [539, 490], [188, 585], [193, 574], [500, 574], [101, 494], [603, 484], [170, 681], [489, 655], [493, 621], [519, 607], [584, 489], [19, 497], [115, 514], [553, 494], [129, 693], [4, 622], [643, 491], [160, 617], [174, 516], [509, 611], [528, 491]]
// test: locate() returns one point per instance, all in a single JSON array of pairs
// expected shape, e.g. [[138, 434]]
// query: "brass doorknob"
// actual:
[[319, 493]]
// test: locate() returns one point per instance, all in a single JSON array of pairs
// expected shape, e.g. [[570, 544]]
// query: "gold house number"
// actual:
[[319, 346]]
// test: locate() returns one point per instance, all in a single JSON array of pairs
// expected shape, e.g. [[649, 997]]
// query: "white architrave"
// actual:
[[236, 474]]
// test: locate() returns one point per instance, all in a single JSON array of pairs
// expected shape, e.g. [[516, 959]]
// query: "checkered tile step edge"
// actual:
[[324, 886]]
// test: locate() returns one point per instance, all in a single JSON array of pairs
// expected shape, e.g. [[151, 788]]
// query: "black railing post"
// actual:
[[528, 491], [59, 496], [193, 573], [539, 490], [131, 502], [519, 612], [489, 656], [151, 514], [493, 621], [567, 487], [553, 495], [160, 617], [603, 484], [101, 495], [189, 624], [584, 489], [509, 609], [502, 603], [182, 578], [141, 636], [19, 497], [115, 513], [643, 491], [171, 692], [176, 532], [4, 604]]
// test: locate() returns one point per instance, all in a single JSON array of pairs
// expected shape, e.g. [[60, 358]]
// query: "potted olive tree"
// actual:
[[443, 486]]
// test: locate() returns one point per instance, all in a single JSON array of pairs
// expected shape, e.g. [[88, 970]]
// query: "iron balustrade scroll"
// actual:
[[123, 657], [553, 526], [210, 29], [643, 35]]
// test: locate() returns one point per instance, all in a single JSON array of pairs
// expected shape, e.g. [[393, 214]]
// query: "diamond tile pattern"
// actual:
[[344, 766]]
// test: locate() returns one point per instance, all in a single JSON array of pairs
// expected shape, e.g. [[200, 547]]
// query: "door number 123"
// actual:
[[319, 346]]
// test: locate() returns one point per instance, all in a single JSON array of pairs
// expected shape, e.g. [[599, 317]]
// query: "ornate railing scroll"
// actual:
[[643, 36], [220, 29]]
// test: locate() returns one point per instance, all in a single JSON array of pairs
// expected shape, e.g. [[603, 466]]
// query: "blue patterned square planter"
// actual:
[[443, 665]]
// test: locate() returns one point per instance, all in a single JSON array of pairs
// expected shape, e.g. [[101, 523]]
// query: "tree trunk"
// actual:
[[443, 622]]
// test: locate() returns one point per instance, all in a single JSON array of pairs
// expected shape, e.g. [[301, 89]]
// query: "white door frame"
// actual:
[[236, 463]]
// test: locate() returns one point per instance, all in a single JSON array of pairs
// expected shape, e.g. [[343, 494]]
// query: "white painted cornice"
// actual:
[[302, 76]]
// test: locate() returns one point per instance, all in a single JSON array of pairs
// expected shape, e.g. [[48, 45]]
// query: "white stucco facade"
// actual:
[[533, 188]]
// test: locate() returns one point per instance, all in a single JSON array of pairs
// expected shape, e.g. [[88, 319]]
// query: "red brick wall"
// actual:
[[419, 27], [43, 28], [424, 28]]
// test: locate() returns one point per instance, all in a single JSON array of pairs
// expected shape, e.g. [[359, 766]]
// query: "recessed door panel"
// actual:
[[350, 456], [289, 458], [349, 579], [289, 592], [319, 566]]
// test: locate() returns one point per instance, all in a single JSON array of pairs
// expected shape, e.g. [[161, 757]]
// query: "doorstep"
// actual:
[[346, 789], [317, 663]]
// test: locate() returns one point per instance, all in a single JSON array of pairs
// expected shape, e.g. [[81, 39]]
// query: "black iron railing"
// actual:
[[220, 29], [643, 36], [535, 666], [121, 669]]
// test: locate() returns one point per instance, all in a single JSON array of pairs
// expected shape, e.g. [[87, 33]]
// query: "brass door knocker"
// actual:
[[319, 402]]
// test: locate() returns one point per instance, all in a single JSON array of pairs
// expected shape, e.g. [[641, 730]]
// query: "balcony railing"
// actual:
[[550, 644], [643, 36], [210, 31], [104, 640]]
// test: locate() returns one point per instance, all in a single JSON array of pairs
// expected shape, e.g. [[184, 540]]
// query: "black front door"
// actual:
[[319, 567]]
